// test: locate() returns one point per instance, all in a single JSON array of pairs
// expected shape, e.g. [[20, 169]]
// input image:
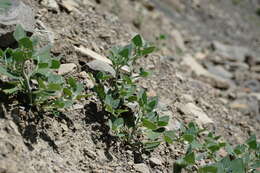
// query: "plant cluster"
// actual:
[[132, 116], [31, 73], [244, 158]]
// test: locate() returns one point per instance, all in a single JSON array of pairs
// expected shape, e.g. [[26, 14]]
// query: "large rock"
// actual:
[[98, 65], [233, 53], [196, 113], [17, 13], [210, 78]]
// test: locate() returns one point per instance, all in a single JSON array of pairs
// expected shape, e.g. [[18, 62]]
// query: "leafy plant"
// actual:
[[141, 126], [243, 158], [32, 73]]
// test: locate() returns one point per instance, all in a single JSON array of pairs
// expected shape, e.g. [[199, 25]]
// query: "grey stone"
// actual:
[[66, 68], [18, 13], [155, 161], [196, 113], [232, 53], [98, 65], [141, 168], [51, 4], [220, 71], [199, 70]]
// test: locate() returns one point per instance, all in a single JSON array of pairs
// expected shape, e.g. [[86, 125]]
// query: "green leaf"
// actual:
[[19, 56], [143, 73], [54, 87], [188, 137], [190, 158], [26, 43], [252, 143], [152, 104], [137, 40], [5, 4], [41, 83], [55, 64], [237, 166], [118, 123], [43, 65], [11, 90], [153, 135], [19, 33], [169, 136], [125, 52], [148, 124], [163, 121], [67, 92], [208, 169], [100, 90], [151, 145], [3, 71], [72, 82], [148, 50]]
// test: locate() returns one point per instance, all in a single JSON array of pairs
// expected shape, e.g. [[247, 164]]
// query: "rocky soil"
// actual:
[[207, 70]]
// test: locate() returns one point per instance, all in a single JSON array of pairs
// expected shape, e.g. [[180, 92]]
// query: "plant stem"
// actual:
[[27, 82]]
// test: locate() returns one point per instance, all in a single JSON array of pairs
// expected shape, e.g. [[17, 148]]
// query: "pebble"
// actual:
[[66, 68], [141, 168]]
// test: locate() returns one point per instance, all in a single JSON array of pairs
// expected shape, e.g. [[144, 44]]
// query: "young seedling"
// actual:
[[31, 73], [141, 126]]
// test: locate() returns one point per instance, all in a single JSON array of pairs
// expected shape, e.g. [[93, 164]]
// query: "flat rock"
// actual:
[[232, 53], [155, 161], [220, 71], [199, 70], [66, 68], [197, 113], [17, 13], [141, 168], [102, 66], [51, 4]]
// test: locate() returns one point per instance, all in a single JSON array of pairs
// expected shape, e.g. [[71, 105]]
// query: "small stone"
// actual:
[[66, 68], [70, 5], [98, 65], [220, 71], [197, 113], [155, 161], [187, 97], [51, 4], [141, 168]]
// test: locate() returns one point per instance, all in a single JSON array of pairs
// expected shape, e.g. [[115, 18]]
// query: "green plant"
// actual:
[[31, 73], [141, 126], [244, 158]]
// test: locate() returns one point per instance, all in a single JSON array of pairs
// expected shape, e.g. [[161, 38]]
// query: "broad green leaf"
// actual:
[[54, 87], [163, 121], [5, 4], [152, 103], [72, 82], [237, 166], [118, 123], [43, 65], [19, 33], [137, 40], [208, 169], [67, 92], [100, 90], [26, 43], [19, 56], [41, 83], [43, 54], [148, 50], [252, 143], [152, 135], [169, 136], [53, 78], [188, 137], [55, 64], [148, 124], [190, 158], [125, 52], [151, 145]]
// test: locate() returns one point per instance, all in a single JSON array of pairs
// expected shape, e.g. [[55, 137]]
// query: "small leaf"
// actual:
[[152, 135], [190, 158], [188, 137], [137, 40], [151, 145], [169, 136], [67, 92], [148, 124], [237, 166], [18, 56], [43, 65], [26, 43], [152, 104], [163, 121], [19, 33], [148, 50], [251, 142], [41, 83], [55, 64], [54, 87], [118, 123], [208, 169]]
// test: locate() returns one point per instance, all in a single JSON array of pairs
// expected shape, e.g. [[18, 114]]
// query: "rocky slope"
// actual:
[[207, 70]]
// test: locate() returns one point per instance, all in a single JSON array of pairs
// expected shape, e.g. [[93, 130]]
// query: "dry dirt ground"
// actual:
[[224, 87]]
